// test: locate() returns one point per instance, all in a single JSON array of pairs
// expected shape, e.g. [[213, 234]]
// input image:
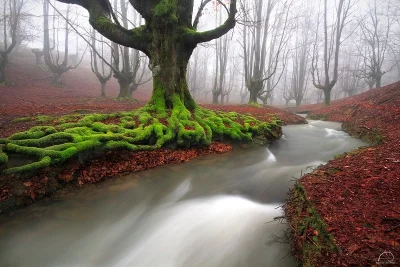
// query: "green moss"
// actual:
[[150, 127], [23, 119], [3, 157], [313, 239], [52, 139], [44, 162], [43, 118], [34, 132], [166, 10]]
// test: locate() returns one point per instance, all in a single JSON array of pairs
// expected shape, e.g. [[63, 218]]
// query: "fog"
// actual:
[[293, 53]]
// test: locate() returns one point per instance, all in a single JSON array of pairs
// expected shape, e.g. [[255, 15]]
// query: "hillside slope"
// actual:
[[349, 208]]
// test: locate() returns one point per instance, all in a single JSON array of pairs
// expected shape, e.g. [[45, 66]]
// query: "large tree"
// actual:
[[168, 38]]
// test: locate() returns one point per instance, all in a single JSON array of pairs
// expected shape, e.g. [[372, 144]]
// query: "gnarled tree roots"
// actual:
[[146, 128]]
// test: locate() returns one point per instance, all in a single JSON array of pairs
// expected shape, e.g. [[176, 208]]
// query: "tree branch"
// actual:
[[99, 17], [201, 37], [199, 13]]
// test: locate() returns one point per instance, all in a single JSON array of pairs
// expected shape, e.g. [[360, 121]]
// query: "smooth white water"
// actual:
[[213, 211]]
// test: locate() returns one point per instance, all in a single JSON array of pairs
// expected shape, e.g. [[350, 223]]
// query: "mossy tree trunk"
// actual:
[[168, 38], [169, 59]]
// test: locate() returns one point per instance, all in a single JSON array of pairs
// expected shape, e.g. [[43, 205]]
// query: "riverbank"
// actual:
[[32, 101], [347, 212], [21, 189]]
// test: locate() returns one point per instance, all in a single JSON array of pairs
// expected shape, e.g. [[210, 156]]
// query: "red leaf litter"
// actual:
[[358, 195]]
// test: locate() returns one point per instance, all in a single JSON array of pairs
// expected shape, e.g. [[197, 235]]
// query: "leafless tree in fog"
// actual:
[[100, 73], [331, 48], [221, 61], [375, 34], [52, 60], [300, 60], [264, 36], [11, 19], [127, 67]]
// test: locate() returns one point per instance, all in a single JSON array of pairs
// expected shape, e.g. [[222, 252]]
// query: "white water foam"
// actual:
[[271, 157], [178, 235]]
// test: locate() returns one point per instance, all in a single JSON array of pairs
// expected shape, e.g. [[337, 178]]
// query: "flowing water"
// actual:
[[213, 211]]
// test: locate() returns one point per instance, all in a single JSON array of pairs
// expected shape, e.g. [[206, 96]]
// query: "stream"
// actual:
[[213, 211]]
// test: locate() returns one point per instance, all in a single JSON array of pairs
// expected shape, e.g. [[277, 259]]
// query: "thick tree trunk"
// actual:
[[3, 63], [124, 90], [2, 76], [253, 95], [215, 97], [38, 55], [133, 87], [327, 96], [298, 102], [371, 85], [56, 80], [169, 59], [378, 81], [103, 89]]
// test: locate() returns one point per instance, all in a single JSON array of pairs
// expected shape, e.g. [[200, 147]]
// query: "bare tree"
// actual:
[[229, 83], [350, 82], [11, 20], [52, 60], [300, 62], [127, 67], [331, 48], [100, 73], [38, 55], [286, 91], [260, 29], [222, 46], [198, 72], [375, 34]]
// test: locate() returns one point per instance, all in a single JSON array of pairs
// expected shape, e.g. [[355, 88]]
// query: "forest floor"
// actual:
[[357, 195], [33, 101]]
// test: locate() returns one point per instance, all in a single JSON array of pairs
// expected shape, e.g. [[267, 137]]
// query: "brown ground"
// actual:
[[358, 194]]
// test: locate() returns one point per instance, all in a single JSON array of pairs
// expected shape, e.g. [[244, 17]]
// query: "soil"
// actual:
[[358, 194]]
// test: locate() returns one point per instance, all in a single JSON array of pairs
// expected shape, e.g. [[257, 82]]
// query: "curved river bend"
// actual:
[[213, 211]]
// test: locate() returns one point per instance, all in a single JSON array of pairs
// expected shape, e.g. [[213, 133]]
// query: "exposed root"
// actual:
[[147, 128]]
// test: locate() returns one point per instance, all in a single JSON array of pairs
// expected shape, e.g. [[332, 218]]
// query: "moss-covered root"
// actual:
[[150, 127], [310, 238], [3, 157]]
